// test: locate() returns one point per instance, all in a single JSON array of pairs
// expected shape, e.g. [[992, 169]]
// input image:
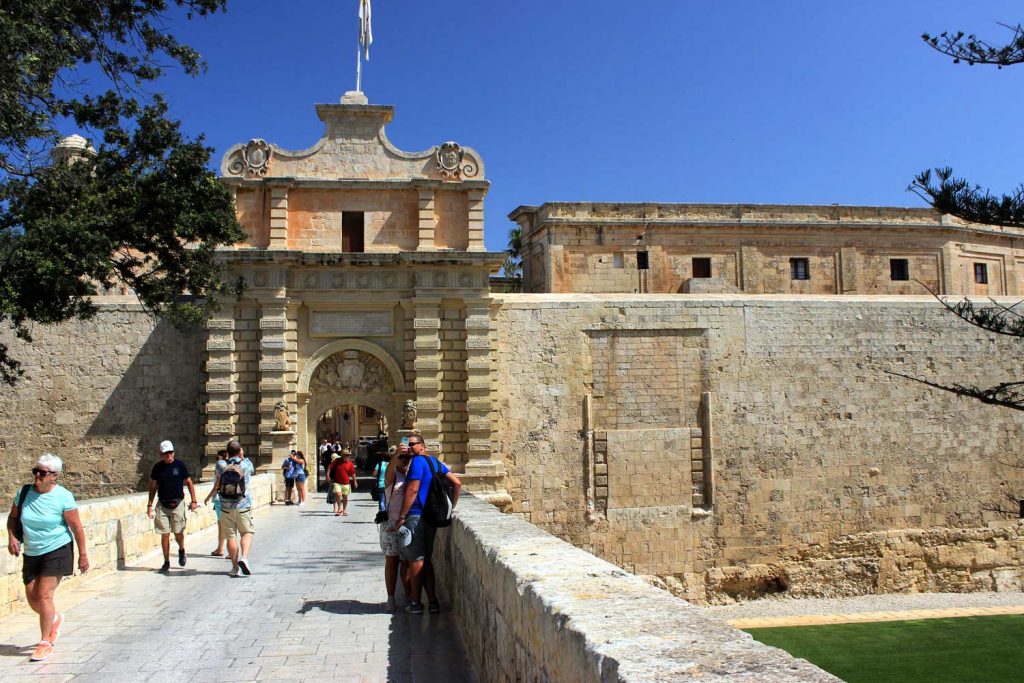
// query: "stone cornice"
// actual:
[[355, 183]]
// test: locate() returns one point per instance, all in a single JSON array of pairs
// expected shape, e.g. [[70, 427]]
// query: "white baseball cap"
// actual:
[[166, 446]]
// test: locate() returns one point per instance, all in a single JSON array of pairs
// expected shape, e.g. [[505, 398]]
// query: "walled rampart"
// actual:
[[531, 607], [807, 468], [117, 533], [102, 393]]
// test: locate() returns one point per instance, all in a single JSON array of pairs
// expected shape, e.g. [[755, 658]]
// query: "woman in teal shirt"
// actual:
[[49, 519]]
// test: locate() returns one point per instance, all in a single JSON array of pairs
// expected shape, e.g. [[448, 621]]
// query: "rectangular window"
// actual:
[[617, 259], [981, 273], [702, 267], [641, 260], [899, 269], [799, 269], [352, 231]]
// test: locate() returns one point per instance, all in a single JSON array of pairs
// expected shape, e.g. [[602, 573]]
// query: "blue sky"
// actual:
[[789, 101]]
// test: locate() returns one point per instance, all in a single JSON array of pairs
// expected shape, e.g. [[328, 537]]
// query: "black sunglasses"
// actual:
[[41, 473]]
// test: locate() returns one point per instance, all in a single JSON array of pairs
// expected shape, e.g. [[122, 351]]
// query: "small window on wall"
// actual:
[[799, 269], [352, 231], [899, 269], [642, 262], [981, 273], [617, 260], [702, 267]]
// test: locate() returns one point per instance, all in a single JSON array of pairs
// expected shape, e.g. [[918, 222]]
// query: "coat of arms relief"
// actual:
[[352, 371]]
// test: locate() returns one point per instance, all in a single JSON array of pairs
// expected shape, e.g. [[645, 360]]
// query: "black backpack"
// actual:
[[232, 482], [438, 508]]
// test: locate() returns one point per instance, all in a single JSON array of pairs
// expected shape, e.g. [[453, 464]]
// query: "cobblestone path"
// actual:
[[312, 610]]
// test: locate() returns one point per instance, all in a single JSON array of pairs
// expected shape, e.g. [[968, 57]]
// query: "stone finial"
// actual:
[[71, 148], [354, 97], [409, 414]]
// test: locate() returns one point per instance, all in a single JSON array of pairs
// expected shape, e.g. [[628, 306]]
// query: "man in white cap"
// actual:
[[168, 478]]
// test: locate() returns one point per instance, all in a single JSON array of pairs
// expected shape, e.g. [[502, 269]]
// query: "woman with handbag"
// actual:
[[45, 519]]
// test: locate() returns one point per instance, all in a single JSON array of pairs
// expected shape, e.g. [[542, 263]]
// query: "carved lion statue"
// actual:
[[282, 418], [409, 414]]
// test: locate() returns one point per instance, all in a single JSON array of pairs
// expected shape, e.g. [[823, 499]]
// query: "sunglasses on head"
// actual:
[[41, 473]]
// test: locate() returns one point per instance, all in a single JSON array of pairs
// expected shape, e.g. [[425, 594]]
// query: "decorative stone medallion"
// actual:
[[253, 160], [452, 163], [352, 371]]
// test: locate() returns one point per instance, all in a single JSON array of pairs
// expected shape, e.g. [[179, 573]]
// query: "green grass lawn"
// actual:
[[961, 650]]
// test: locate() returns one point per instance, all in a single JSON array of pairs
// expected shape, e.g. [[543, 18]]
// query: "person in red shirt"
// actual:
[[342, 474]]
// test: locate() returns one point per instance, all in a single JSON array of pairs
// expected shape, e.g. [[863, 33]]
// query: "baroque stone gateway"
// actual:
[[697, 394]]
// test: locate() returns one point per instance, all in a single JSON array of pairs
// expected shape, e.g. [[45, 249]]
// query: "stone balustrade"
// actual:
[[117, 532], [531, 607]]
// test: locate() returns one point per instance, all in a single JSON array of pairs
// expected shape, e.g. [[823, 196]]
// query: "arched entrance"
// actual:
[[348, 376]]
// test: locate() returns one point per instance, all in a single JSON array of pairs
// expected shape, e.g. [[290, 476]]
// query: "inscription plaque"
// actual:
[[352, 323]]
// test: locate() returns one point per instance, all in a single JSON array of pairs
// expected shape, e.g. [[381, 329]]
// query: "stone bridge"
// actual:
[[518, 605]]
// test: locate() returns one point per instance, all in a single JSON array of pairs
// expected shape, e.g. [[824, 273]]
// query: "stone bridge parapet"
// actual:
[[531, 607]]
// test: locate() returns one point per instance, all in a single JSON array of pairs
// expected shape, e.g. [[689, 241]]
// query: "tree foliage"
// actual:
[[513, 265], [142, 210], [974, 50]]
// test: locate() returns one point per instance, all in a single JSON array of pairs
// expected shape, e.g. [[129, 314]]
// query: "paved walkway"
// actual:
[[313, 609]]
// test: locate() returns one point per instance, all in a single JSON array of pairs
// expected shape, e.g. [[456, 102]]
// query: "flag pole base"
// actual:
[[354, 97]]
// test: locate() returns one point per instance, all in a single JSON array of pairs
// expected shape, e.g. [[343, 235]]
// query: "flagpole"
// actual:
[[359, 68]]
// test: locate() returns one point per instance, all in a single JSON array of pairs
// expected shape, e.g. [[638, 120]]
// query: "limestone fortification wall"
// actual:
[[531, 607], [117, 533], [738, 445], [102, 394]]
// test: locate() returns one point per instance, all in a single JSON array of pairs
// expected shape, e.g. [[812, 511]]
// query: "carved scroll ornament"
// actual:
[[352, 371], [253, 160], [452, 162]]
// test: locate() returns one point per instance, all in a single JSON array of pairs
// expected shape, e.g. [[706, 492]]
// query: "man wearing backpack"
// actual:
[[232, 485], [422, 470]]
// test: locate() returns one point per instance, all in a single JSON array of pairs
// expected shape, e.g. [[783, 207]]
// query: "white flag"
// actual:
[[365, 29]]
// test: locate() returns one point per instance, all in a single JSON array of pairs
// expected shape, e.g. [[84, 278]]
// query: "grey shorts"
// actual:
[[169, 521], [422, 545]]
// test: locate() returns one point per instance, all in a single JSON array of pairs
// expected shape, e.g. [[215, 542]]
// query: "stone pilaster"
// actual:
[[278, 218], [426, 221], [849, 280], [750, 270], [484, 473], [221, 388], [427, 386], [275, 372], [476, 220]]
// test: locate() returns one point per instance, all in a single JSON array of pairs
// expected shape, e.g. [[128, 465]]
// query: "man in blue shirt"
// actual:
[[236, 511], [417, 553]]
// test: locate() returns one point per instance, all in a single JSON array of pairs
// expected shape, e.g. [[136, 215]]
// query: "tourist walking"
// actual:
[[45, 515], [391, 540], [419, 550], [343, 478], [379, 476], [233, 486], [222, 456], [168, 478]]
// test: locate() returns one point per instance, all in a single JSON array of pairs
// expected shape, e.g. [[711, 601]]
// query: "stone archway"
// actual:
[[350, 371]]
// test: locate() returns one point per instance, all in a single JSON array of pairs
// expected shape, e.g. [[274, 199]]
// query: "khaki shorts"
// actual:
[[169, 521], [342, 489], [240, 521]]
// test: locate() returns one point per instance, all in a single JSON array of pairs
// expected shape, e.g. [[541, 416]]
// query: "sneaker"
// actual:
[[181, 557], [414, 608], [166, 566], [43, 650], [243, 563], [58, 622], [288, 502], [302, 502], [435, 607], [233, 573], [390, 606]]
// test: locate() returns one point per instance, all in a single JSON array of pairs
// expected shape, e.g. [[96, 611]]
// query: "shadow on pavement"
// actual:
[[342, 607]]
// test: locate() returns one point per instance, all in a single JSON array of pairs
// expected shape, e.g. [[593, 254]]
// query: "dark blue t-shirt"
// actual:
[[170, 479], [419, 471]]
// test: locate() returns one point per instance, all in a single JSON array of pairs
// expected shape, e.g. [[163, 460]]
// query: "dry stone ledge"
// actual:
[[534, 608]]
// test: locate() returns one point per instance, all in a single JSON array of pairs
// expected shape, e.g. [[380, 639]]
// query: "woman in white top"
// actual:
[[390, 540]]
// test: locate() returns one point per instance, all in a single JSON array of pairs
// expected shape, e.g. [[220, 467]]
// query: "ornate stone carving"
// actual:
[[352, 371], [282, 419], [253, 159], [409, 414], [452, 163]]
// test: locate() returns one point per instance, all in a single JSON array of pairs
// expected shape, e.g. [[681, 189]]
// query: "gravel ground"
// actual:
[[787, 607]]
